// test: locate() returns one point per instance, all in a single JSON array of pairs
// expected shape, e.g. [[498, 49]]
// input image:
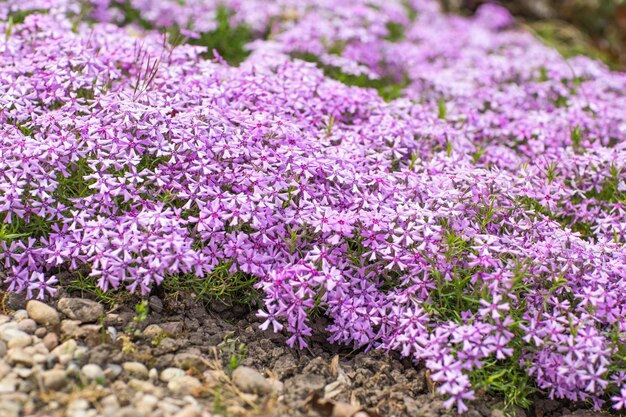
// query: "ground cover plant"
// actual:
[[467, 210]]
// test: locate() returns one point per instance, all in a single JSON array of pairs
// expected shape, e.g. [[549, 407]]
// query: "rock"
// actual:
[[20, 315], [145, 387], [41, 332], [7, 386], [190, 361], [3, 348], [54, 379], [42, 313], [66, 348], [152, 331], [184, 385], [172, 328], [112, 371], [249, 380], [135, 369], [17, 356], [50, 341], [153, 374], [92, 372], [83, 310], [27, 326], [189, 411], [16, 338], [4, 369], [169, 374], [147, 403], [70, 328], [273, 386], [167, 345], [155, 304], [497, 413]]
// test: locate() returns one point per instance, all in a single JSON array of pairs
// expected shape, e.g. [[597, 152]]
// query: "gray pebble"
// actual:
[[249, 380], [83, 310]]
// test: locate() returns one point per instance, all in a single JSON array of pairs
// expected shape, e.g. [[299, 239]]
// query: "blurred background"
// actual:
[[592, 27]]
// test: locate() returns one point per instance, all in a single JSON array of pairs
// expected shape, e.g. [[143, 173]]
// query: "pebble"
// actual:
[[70, 328], [16, 338], [152, 331], [112, 371], [83, 310], [92, 372], [169, 374], [17, 356], [7, 386], [27, 326], [20, 315], [190, 361], [188, 411], [153, 374], [54, 379], [147, 403], [249, 380], [135, 369], [66, 348], [42, 313], [41, 332], [4, 369], [184, 385], [51, 340]]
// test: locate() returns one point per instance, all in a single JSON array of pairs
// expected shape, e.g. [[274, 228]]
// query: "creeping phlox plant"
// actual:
[[473, 220]]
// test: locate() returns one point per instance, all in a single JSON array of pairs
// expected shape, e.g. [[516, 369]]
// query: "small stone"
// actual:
[[66, 348], [249, 380], [129, 412], [27, 326], [152, 331], [20, 315], [135, 369], [3, 348], [112, 371], [190, 361], [54, 379], [83, 310], [4, 369], [92, 372], [172, 328], [146, 387], [20, 342], [155, 304], [50, 341], [70, 328], [16, 338], [496, 413], [42, 313], [189, 411], [169, 374], [184, 385], [147, 403], [273, 386], [18, 356], [153, 374], [41, 332], [7, 386]]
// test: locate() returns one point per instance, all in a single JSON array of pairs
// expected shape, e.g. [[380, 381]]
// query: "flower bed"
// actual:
[[473, 221]]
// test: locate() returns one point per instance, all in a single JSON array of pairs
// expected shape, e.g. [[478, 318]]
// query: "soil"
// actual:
[[207, 343]]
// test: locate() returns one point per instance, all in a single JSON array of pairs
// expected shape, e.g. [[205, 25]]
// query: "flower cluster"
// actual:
[[478, 220]]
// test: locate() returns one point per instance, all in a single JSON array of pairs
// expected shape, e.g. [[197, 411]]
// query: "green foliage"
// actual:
[[388, 88], [230, 42]]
